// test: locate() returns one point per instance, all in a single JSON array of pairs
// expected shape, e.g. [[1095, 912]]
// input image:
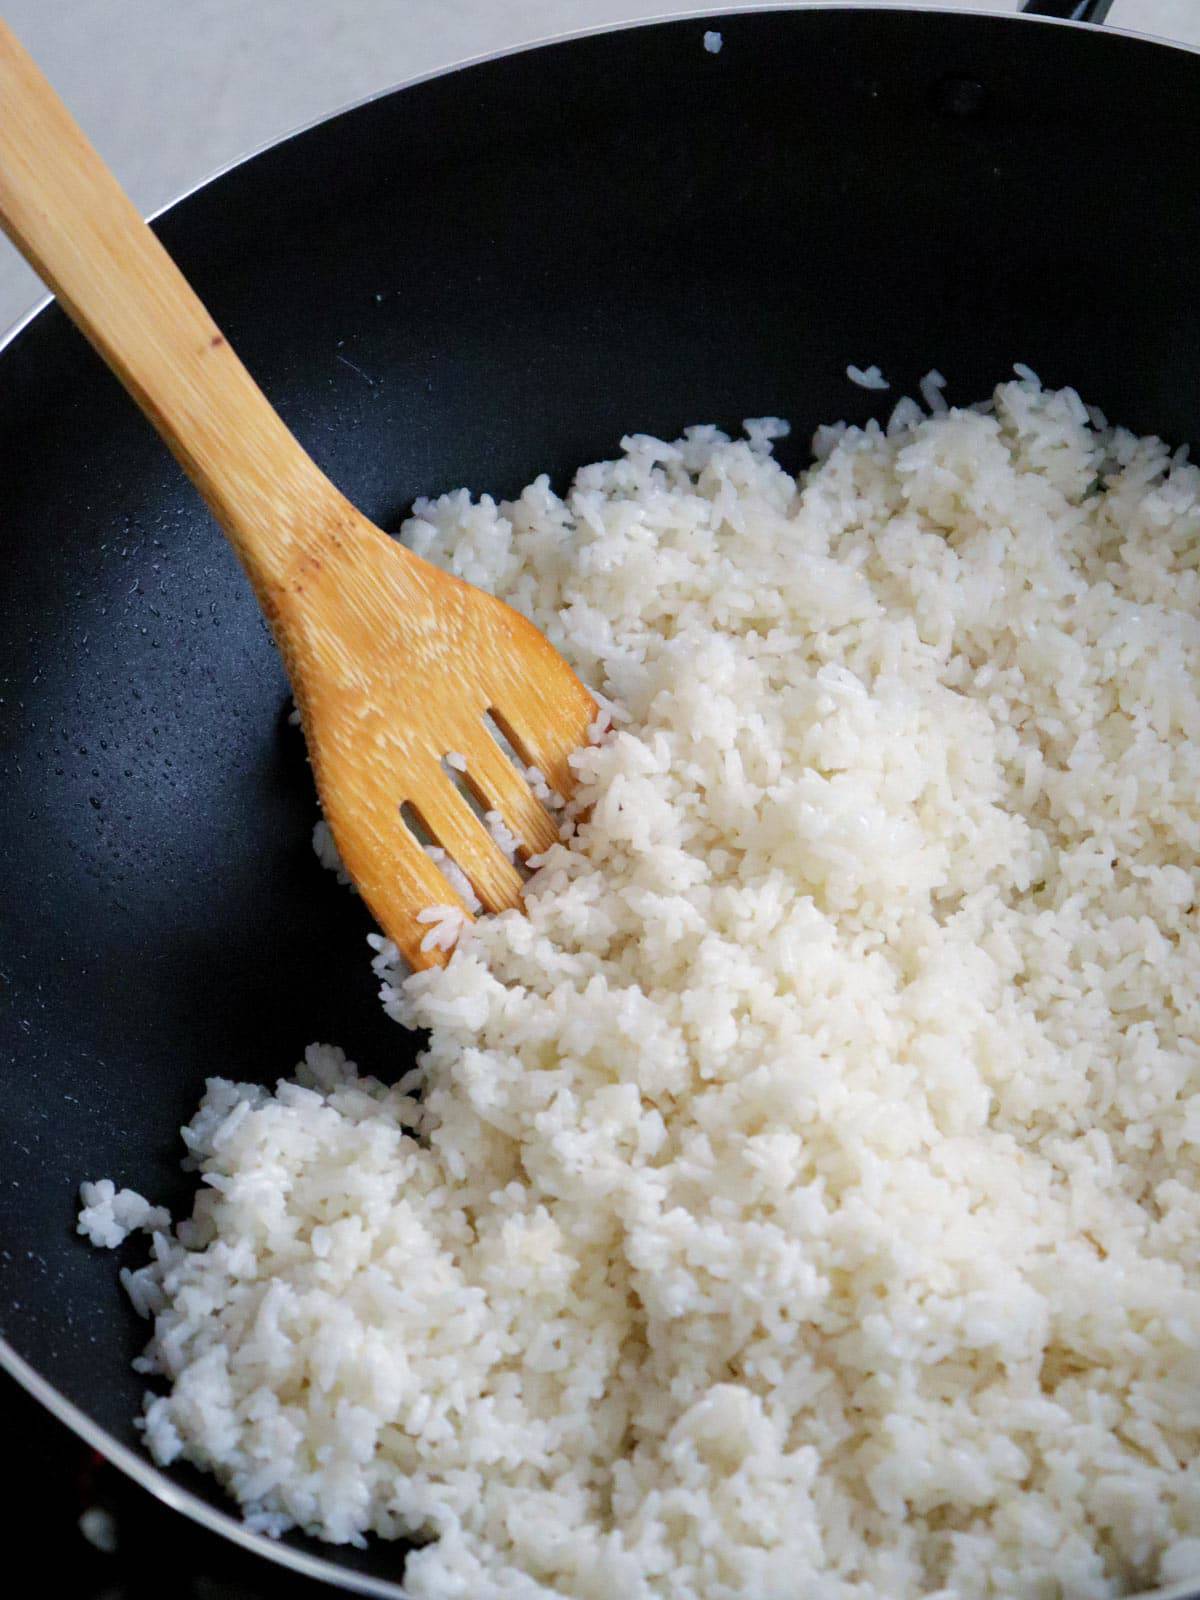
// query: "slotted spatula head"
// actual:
[[397, 665], [394, 664]]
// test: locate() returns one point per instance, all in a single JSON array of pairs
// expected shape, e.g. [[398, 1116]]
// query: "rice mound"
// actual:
[[803, 1199]]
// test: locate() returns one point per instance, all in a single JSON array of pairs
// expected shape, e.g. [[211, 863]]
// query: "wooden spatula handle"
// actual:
[[66, 212]]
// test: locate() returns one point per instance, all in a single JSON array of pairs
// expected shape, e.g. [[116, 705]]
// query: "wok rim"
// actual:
[[14, 330], [142, 1469]]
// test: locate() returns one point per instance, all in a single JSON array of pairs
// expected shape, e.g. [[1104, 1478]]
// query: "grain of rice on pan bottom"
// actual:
[[801, 1201]]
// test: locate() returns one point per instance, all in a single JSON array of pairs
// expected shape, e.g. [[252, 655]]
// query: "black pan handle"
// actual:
[[1068, 10]]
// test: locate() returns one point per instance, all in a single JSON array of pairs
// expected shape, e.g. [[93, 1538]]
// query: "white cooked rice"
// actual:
[[446, 923], [931, 387], [99, 1527], [803, 1200], [506, 841], [326, 851], [458, 881], [867, 377], [109, 1215]]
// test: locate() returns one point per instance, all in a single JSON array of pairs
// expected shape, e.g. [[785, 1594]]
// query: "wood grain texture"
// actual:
[[393, 662]]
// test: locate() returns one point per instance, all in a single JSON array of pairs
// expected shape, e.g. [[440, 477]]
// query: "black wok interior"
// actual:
[[468, 281]]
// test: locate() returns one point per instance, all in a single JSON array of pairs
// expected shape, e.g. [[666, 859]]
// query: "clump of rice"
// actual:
[[803, 1198], [108, 1215]]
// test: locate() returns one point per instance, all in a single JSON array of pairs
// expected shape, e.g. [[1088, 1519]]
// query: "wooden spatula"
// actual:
[[394, 664]]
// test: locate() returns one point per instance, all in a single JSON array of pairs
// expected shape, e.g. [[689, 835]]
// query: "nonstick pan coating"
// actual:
[[491, 273]]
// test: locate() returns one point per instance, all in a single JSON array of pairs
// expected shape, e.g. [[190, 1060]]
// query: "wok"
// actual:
[[489, 273]]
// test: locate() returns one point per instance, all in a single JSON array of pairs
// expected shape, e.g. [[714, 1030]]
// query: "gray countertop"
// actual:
[[173, 90]]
